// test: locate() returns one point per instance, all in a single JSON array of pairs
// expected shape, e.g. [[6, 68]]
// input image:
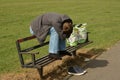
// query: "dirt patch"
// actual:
[[56, 70]]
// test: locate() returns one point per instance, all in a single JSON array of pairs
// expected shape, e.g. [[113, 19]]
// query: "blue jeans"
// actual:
[[55, 44]]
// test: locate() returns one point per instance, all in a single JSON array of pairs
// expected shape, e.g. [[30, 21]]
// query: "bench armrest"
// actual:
[[32, 55]]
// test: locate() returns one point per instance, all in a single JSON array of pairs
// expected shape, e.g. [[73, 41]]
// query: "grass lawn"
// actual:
[[102, 16]]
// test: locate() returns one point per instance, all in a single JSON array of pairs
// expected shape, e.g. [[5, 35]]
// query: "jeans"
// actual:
[[55, 43]]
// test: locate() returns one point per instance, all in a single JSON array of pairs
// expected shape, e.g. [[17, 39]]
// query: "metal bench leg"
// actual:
[[74, 53], [40, 70]]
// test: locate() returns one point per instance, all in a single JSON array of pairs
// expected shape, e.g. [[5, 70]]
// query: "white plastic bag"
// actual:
[[82, 36], [72, 40], [78, 35]]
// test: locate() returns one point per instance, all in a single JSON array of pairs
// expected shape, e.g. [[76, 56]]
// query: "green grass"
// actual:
[[102, 16]]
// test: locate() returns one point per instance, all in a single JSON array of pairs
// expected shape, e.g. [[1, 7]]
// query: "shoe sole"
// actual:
[[78, 74]]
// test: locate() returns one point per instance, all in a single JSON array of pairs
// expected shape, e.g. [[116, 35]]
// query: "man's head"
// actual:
[[67, 27]]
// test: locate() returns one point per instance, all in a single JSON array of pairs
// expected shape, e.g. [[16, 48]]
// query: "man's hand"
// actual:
[[67, 33]]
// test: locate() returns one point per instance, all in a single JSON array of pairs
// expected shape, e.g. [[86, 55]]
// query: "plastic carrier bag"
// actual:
[[79, 35]]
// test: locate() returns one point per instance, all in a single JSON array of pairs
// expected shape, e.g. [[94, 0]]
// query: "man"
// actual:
[[59, 26]]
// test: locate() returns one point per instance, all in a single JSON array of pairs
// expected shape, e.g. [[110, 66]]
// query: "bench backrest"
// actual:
[[30, 48]]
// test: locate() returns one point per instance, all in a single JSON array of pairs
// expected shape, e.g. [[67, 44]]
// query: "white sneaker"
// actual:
[[87, 59], [75, 70]]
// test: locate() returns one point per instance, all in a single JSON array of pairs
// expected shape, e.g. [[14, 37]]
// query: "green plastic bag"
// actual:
[[78, 35]]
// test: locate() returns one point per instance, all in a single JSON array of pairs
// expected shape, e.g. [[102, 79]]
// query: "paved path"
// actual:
[[105, 67]]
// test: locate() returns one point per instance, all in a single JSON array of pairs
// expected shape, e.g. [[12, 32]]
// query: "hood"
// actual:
[[65, 17]]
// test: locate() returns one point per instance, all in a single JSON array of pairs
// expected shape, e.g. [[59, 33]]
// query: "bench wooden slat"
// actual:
[[73, 48], [35, 47], [47, 62], [27, 38], [42, 61]]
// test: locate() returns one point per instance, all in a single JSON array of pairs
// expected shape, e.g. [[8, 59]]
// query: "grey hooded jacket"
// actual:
[[42, 24]]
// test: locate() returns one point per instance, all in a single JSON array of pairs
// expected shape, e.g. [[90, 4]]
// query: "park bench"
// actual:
[[39, 63]]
